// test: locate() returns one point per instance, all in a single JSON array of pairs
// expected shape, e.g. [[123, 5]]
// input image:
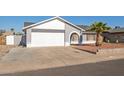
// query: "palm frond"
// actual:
[[99, 27]]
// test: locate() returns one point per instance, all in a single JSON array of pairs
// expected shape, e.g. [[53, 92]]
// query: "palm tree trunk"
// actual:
[[97, 38]]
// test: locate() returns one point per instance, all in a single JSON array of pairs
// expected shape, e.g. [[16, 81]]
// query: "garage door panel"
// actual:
[[47, 39]]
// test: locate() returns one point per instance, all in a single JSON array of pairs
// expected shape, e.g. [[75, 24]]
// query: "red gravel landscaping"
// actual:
[[93, 49]]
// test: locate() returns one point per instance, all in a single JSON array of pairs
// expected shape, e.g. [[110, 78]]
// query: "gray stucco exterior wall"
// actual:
[[68, 31]]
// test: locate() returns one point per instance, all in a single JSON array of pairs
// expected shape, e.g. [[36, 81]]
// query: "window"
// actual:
[[91, 37]]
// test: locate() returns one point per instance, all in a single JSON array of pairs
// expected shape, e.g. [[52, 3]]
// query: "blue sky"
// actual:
[[16, 22]]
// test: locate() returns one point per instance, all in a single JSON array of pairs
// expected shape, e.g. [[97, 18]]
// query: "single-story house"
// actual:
[[115, 35], [56, 31]]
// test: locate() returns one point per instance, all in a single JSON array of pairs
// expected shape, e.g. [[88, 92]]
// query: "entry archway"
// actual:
[[74, 38]]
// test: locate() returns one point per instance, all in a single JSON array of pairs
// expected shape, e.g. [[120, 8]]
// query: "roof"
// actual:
[[28, 24], [115, 30], [61, 19], [85, 27]]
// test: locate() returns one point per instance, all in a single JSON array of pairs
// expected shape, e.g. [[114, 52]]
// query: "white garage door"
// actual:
[[44, 39]]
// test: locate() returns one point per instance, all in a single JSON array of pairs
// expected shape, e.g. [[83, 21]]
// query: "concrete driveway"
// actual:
[[24, 59], [29, 59]]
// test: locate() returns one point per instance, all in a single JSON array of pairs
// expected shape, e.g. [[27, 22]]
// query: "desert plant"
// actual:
[[99, 27]]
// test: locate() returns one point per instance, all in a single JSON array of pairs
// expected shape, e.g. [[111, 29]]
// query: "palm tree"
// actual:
[[99, 27]]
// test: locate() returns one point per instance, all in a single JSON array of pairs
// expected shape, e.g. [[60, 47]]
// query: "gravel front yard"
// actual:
[[93, 49]]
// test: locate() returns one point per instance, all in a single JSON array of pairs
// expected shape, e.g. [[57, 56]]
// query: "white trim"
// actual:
[[55, 24], [71, 34], [38, 23], [74, 32], [50, 20], [70, 23]]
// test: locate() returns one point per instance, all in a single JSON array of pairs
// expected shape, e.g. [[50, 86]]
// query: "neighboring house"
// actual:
[[56, 31], [114, 35]]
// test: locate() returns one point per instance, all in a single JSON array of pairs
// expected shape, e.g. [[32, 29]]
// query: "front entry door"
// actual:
[[74, 39]]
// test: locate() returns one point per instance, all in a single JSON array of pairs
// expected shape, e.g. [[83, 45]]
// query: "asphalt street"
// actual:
[[106, 68]]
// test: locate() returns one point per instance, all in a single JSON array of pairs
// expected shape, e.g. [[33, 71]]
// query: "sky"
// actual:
[[17, 22]]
